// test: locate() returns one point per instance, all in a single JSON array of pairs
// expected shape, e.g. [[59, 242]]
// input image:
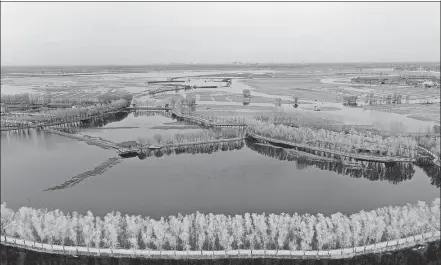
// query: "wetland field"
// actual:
[[188, 177]]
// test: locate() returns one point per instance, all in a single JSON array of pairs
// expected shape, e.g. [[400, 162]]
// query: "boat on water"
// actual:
[[128, 149], [128, 153]]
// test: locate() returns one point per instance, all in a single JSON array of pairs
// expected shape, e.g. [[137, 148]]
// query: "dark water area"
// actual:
[[235, 179], [429, 254]]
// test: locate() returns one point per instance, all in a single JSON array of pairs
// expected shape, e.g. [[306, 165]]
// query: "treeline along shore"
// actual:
[[61, 116], [216, 235]]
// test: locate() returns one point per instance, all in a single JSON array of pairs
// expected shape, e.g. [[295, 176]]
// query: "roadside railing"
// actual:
[[392, 245]]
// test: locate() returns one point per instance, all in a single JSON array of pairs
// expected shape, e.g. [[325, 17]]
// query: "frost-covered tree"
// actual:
[[249, 231], [356, 230], [174, 231], [257, 238], [262, 230], [73, 228], [238, 231], [7, 221], [133, 229], [223, 234], [111, 230], [87, 226], [330, 236], [310, 222], [211, 231], [319, 230], [338, 229], [23, 219], [62, 226], [159, 228], [305, 243], [38, 223], [49, 228], [97, 233], [185, 233], [200, 230], [295, 233], [283, 227], [273, 222], [379, 230], [392, 230], [147, 233], [434, 220]]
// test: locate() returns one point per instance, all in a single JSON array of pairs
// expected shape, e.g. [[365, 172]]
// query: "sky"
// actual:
[[106, 33]]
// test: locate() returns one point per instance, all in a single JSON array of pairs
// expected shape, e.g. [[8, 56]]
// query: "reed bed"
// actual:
[[392, 146], [97, 141], [222, 232], [224, 119], [185, 138], [297, 119], [98, 170]]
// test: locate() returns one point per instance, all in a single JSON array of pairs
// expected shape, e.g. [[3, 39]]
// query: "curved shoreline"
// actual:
[[343, 253]]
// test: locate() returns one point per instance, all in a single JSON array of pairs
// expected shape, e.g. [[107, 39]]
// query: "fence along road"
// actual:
[[391, 245]]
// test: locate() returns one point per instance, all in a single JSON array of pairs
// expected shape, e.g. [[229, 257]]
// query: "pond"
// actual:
[[248, 178]]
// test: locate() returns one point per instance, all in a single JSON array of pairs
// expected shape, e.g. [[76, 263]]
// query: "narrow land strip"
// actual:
[[391, 245]]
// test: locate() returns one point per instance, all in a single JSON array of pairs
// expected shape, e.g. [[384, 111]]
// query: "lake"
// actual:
[[253, 178]]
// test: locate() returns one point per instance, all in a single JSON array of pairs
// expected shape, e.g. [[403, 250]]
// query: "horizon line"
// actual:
[[223, 63]]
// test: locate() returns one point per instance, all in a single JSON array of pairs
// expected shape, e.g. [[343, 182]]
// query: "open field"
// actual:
[[424, 112]]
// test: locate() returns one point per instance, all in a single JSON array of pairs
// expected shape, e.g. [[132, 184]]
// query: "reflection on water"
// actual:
[[234, 181], [428, 254], [98, 122], [434, 174], [193, 149], [148, 113], [394, 173]]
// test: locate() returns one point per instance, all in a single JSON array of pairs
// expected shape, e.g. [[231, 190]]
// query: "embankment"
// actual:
[[345, 253]]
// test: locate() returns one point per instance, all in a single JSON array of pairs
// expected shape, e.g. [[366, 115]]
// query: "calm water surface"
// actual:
[[253, 179]]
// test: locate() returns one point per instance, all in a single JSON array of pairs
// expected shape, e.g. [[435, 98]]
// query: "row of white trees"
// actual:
[[72, 113], [431, 143], [394, 145], [184, 138], [220, 232], [193, 149]]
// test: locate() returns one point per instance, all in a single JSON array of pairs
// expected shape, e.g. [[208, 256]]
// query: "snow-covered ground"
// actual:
[[328, 254]]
